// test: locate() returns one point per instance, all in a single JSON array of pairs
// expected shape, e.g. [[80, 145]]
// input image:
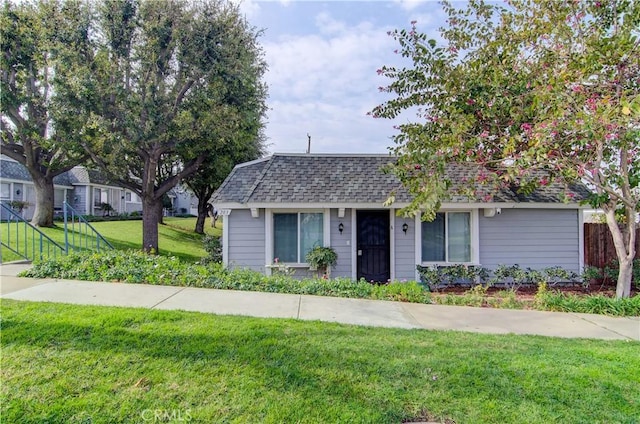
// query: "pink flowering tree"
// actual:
[[529, 93]]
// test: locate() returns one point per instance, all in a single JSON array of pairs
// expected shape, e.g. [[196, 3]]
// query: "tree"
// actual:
[[165, 70], [204, 182], [529, 93], [45, 49], [239, 142]]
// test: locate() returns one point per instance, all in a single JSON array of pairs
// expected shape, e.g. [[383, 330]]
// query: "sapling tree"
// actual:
[[529, 93]]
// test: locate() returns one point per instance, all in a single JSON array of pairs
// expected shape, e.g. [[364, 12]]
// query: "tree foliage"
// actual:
[[45, 46], [169, 73], [529, 92], [244, 144]]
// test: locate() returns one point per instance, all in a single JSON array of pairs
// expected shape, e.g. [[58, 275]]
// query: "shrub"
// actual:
[[513, 277], [609, 274], [213, 247], [439, 277], [594, 304], [280, 268], [137, 267], [400, 291]]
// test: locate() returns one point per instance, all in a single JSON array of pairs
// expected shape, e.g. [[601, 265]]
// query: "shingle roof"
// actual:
[[83, 175], [335, 179], [10, 169], [13, 170]]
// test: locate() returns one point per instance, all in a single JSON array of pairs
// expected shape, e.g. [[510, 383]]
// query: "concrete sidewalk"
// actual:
[[330, 309]]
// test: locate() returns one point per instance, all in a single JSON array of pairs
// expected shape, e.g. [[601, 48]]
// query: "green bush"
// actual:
[[138, 267], [609, 274], [594, 304], [439, 277], [213, 247], [404, 292], [512, 277]]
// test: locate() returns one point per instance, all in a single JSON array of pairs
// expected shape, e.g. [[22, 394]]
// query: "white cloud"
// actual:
[[324, 84], [411, 4], [333, 129], [250, 8]]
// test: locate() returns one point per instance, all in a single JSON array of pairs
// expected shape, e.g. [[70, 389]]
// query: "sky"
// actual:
[[322, 59]]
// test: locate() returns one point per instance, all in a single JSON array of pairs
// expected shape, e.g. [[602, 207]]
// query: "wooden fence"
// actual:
[[598, 245]]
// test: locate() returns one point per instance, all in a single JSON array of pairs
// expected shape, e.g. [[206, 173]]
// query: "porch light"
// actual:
[[341, 227], [405, 227]]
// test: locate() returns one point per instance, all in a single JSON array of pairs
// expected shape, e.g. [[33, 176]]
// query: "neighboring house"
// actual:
[[16, 185], [283, 205], [91, 189], [183, 201], [83, 188]]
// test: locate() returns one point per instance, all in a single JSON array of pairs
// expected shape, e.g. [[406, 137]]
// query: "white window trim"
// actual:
[[269, 239], [475, 240]]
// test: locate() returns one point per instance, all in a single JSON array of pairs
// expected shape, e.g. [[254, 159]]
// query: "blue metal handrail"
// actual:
[[27, 232], [76, 226]]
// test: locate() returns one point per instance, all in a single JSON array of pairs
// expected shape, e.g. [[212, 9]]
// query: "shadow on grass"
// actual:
[[381, 374]]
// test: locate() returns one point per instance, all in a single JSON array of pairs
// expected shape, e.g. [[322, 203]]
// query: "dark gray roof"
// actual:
[[340, 179], [13, 170], [83, 175], [79, 175]]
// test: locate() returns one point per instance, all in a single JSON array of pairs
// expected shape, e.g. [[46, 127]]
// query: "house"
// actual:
[[91, 190], [16, 184], [283, 205], [83, 188]]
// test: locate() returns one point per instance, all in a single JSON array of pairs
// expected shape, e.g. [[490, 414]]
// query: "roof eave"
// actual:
[[397, 205]]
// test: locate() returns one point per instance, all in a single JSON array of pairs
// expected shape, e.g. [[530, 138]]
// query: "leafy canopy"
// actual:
[[531, 92]]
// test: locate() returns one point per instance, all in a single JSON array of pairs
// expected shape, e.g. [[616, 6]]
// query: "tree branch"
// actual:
[[189, 168]]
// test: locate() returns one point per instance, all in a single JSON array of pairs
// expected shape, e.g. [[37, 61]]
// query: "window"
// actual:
[[100, 196], [58, 197], [5, 191], [447, 238], [130, 196], [294, 234]]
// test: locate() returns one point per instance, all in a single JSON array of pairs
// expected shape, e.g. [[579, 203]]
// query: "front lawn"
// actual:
[[176, 236], [80, 364]]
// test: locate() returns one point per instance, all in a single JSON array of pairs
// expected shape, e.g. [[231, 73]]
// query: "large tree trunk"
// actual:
[[203, 195], [43, 213], [624, 242], [151, 216], [202, 216]]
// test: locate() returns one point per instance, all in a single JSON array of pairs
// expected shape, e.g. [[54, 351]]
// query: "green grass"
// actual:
[[78, 364], [176, 237]]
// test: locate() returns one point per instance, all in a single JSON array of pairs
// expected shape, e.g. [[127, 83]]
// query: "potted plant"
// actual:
[[18, 205], [321, 258], [106, 209]]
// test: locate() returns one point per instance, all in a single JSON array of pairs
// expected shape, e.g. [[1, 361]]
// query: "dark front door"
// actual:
[[373, 246]]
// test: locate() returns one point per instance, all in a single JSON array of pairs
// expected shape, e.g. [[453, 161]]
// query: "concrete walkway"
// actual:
[[330, 309]]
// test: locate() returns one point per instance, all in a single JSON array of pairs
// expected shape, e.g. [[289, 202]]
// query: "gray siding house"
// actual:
[[83, 188], [279, 207], [16, 184]]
